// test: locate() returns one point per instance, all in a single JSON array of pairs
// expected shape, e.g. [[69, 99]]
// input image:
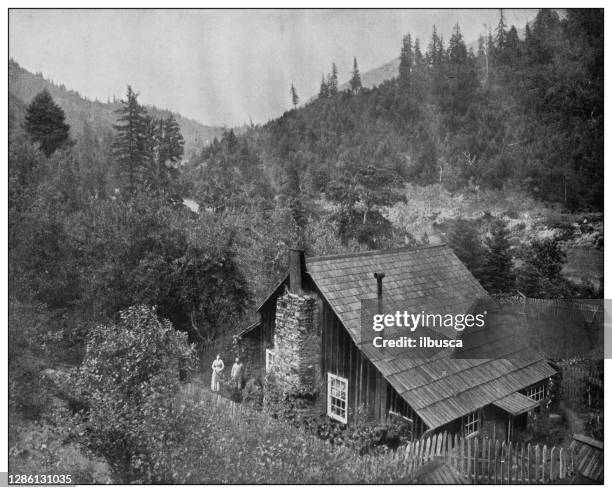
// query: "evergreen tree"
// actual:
[[324, 89], [457, 91], [170, 148], [418, 55], [332, 80], [356, 79], [172, 142], [294, 96], [497, 272], [131, 146], [512, 50], [457, 51], [406, 61], [435, 50], [500, 32], [464, 239], [45, 123]]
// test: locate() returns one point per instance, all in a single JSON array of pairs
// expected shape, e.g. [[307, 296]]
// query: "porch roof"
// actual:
[[516, 403]]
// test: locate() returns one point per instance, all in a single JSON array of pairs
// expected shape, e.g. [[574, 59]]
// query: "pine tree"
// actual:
[[332, 80], [501, 34], [512, 50], [324, 89], [418, 55], [131, 146], [173, 141], [497, 272], [464, 239], [170, 152], [45, 123], [356, 79], [406, 61], [294, 96], [435, 50]]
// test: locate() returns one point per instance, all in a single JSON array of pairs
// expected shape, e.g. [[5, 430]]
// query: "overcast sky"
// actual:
[[222, 67]]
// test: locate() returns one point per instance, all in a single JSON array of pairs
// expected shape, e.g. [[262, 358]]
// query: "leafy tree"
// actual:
[[360, 191], [540, 275], [132, 369], [45, 123], [294, 96], [356, 78]]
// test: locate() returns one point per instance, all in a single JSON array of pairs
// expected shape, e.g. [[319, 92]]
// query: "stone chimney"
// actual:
[[297, 266], [297, 339]]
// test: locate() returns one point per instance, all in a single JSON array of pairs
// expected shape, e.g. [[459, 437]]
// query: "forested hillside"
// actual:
[[524, 113], [98, 116]]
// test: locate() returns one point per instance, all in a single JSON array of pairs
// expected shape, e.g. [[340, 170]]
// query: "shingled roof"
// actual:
[[448, 385], [429, 278]]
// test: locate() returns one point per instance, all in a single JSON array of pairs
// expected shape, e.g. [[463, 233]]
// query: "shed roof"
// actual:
[[589, 457], [431, 279]]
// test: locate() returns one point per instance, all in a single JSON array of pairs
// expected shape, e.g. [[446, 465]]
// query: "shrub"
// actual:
[[127, 380], [252, 394]]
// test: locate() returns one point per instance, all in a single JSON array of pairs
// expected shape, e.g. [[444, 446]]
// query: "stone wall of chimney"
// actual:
[[297, 344]]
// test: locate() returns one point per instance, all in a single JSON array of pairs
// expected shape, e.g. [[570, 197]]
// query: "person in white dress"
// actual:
[[217, 368]]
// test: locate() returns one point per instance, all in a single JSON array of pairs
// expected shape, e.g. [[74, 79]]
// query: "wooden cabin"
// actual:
[[309, 334]]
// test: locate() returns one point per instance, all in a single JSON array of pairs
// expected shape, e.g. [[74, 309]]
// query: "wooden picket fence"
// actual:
[[481, 460], [582, 384]]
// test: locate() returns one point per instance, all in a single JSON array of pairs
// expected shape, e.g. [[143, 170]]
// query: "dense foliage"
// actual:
[[130, 373], [522, 112]]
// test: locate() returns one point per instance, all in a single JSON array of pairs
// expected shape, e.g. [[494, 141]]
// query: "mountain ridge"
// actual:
[[24, 85]]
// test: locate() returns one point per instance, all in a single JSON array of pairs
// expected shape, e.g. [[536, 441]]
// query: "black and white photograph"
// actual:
[[304, 246]]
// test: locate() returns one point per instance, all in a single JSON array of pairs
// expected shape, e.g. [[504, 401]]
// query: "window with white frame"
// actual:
[[537, 393], [270, 359], [471, 423], [337, 397]]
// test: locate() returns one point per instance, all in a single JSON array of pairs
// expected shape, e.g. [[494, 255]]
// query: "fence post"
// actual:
[[502, 460], [444, 444], [489, 442], [509, 462], [475, 471], [551, 472], [538, 453], [528, 463], [544, 458]]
